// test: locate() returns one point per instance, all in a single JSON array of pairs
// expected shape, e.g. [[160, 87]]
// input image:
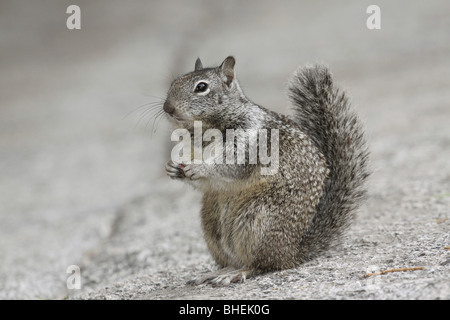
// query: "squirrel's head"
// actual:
[[204, 94]]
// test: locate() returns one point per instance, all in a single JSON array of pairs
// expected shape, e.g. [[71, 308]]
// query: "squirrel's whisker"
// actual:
[[154, 104]]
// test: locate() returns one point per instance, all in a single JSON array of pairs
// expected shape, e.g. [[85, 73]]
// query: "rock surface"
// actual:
[[82, 170]]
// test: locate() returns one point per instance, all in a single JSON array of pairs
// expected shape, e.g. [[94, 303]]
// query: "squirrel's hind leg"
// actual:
[[223, 277]]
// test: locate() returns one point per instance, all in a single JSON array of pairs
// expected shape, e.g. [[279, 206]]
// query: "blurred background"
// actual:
[[75, 148]]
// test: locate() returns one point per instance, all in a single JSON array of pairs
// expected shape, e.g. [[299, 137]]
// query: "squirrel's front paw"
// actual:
[[181, 170], [175, 170], [193, 171]]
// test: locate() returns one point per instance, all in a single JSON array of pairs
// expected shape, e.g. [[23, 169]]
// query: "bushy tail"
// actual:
[[323, 113]]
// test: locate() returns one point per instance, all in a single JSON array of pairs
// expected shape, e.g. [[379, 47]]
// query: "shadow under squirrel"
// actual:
[[255, 223]]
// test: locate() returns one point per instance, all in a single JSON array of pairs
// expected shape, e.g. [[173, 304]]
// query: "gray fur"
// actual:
[[254, 223]]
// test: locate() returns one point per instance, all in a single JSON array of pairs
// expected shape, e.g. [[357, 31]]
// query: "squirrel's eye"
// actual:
[[201, 87]]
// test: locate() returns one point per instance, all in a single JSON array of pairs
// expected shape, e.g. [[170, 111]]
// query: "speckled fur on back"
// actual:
[[257, 223]]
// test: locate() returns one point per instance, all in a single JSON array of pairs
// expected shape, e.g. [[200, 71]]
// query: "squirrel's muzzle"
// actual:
[[168, 107]]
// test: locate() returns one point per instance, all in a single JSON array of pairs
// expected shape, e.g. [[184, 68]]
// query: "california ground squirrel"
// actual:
[[255, 223]]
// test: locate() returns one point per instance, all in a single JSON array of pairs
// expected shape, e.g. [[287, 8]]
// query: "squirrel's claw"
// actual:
[[222, 277], [175, 170]]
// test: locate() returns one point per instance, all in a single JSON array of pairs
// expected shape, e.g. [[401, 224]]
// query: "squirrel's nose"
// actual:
[[168, 107]]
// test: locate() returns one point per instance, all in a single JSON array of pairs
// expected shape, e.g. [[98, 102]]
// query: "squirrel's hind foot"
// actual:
[[222, 277]]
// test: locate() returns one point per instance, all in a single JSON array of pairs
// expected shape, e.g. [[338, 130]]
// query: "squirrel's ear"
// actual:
[[198, 64], [227, 69]]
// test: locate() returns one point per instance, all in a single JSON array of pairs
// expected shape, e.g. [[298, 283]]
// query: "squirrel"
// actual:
[[254, 223]]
